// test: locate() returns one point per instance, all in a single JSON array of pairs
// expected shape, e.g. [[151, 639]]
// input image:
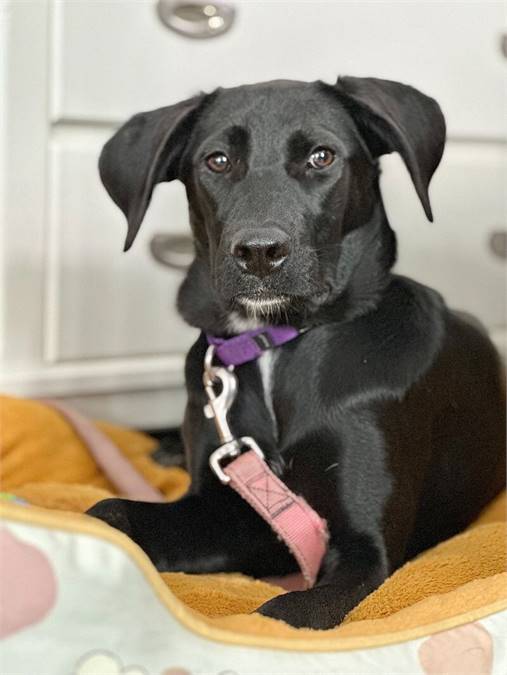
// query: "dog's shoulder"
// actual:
[[386, 350]]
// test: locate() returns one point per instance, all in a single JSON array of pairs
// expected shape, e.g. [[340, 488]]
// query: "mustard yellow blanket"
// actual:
[[44, 462]]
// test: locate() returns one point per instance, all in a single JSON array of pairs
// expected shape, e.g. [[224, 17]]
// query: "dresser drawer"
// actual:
[[454, 254], [115, 57], [102, 302]]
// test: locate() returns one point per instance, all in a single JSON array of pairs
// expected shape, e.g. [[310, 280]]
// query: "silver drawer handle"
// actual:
[[173, 250], [196, 18], [498, 243]]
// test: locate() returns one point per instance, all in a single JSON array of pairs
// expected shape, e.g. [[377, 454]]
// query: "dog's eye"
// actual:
[[218, 162], [321, 158]]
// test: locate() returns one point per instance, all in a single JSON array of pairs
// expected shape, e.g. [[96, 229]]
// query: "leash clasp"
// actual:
[[217, 409], [218, 406], [230, 450]]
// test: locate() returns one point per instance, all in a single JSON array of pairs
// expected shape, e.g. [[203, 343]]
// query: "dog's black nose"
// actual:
[[260, 252]]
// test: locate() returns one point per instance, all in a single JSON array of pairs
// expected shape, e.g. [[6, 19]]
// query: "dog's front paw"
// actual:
[[114, 512], [302, 609]]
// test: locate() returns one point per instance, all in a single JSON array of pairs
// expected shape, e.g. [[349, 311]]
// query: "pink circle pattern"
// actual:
[[28, 585]]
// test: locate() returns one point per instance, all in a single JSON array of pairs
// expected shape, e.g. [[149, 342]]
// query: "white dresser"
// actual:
[[83, 321]]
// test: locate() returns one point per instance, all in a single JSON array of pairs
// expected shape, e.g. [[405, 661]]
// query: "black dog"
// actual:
[[387, 414]]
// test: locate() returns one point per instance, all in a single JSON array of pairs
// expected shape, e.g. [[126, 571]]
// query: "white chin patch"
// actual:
[[240, 324], [259, 313]]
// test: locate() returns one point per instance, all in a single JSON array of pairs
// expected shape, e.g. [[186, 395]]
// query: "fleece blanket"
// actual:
[[44, 463]]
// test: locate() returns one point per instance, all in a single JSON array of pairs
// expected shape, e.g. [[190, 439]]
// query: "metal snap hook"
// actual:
[[217, 409], [219, 405]]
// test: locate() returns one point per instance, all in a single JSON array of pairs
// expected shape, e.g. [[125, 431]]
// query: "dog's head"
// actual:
[[279, 176]]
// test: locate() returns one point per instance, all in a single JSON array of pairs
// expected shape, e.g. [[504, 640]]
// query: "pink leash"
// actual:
[[119, 471], [289, 515]]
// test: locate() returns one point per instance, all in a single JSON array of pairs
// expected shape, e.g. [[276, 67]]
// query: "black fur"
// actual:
[[388, 412]]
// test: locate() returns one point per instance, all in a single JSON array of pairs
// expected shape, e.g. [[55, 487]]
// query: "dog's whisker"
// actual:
[[269, 309]]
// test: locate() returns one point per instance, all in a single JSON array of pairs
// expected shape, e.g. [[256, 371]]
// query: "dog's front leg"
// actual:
[[346, 582], [215, 532]]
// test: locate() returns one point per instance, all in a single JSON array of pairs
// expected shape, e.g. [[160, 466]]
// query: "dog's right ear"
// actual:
[[145, 151]]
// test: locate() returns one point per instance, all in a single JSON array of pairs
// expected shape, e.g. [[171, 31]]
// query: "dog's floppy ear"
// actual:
[[145, 151], [394, 117]]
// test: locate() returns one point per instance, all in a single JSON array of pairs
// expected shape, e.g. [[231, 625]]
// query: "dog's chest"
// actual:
[[266, 366]]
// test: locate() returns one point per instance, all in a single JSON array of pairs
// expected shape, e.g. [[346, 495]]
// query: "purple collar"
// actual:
[[251, 344]]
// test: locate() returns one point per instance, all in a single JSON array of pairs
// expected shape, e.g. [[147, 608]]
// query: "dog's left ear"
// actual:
[[394, 117]]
